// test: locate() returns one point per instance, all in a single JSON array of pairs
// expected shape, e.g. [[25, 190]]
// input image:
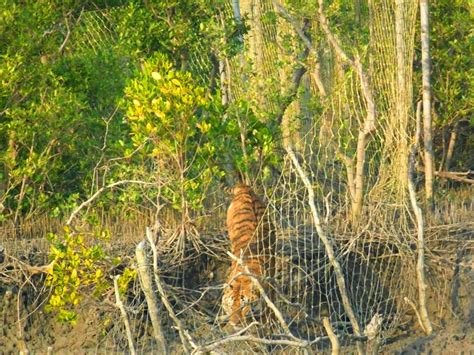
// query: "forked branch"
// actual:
[[316, 73]]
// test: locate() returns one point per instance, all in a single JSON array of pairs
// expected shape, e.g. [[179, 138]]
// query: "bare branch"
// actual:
[[369, 124], [455, 176], [413, 306], [332, 336], [284, 12], [327, 244], [152, 301], [124, 315], [102, 189], [427, 120], [68, 33], [254, 339], [183, 333]]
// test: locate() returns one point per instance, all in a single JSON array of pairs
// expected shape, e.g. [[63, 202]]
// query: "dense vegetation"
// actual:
[[158, 105], [84, 83]]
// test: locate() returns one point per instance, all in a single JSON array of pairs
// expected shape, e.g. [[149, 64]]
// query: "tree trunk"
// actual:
[[420, 263], [427, 130]]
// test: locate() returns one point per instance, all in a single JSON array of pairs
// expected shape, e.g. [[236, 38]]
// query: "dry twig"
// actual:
[[332, 336], [124, 316], [183, 333]]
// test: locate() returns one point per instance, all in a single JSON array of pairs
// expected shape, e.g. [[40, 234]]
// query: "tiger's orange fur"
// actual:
[[251, 238]]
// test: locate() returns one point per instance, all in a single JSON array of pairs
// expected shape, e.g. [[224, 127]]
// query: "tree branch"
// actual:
[[307, 42], [123, 312], [335, 347], [455, 176], [341, 283], [98, 192]]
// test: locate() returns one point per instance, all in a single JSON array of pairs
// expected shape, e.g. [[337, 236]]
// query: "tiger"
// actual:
[[251, 239]]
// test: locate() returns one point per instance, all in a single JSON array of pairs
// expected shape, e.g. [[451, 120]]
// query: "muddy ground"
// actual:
[[25, 326], [41, 333]]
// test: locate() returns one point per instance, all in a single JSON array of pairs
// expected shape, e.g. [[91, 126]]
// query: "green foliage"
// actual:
[[260, 138], [174, 28], [32, 130], [128, 276], [452, 45], [66, 65], [52, 107], [452, 42], [79, 268], [172, 117]]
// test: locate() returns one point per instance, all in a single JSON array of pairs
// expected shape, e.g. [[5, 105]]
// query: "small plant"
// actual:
[[78, 268], [124, 280]]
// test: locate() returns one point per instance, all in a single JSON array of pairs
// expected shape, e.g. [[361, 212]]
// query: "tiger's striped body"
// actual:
[[251, 239]]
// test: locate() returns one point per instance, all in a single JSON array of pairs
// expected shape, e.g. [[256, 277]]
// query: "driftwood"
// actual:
[[151, 299]]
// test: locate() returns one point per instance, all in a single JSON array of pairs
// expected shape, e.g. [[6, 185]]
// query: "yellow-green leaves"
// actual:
[[169, 111], [203, 126], [155, 75], [78, 268], [163, 101], [124, 280]]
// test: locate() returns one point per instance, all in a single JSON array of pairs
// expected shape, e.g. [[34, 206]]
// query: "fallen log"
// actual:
[[456, 176]]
